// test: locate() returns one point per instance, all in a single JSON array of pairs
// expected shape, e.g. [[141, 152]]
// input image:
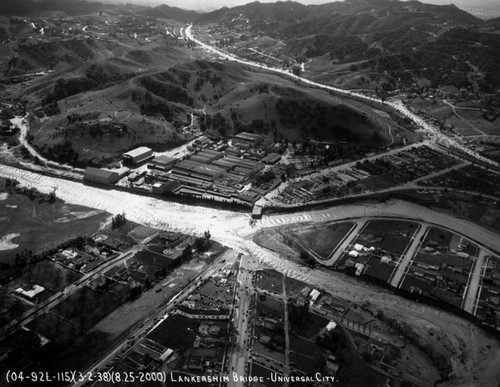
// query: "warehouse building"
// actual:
[[100, 176], [248, 139], [271, 158], [163, 163], [197, 170], [137, 156]]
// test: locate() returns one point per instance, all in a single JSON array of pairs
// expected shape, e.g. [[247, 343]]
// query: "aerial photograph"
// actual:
[[250, 194]]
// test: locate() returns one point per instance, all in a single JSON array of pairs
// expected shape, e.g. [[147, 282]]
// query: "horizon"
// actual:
[[476, 7]]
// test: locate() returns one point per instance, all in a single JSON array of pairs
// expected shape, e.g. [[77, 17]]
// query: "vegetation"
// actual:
[[118, 221]]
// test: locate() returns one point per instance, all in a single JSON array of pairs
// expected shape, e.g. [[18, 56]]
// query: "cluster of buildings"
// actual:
[[374, 175], [210, 170]]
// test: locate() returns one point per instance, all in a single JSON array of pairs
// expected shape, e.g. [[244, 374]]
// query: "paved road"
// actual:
[[155, 319], [407, 256], [239, 355], [473, 286]]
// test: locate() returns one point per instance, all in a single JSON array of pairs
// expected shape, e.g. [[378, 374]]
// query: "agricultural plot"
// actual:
[[441, 267], [322, 240]]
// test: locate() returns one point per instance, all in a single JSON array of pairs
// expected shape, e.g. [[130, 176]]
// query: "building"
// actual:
[[122, 172], [163, 163], [32, 293], [248, 139], [196, 170], [271, 158], [137, 156], [257, 212], [100, 176]]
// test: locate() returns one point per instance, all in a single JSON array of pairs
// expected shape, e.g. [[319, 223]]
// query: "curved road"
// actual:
[[394, 103]]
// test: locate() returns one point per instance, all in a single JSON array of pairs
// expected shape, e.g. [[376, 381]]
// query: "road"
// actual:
[[473, 286], [239, 353], [345, 243], [55, 299], [398, 105], [21, 123], [159, 315], [407, 256], [233, 229]]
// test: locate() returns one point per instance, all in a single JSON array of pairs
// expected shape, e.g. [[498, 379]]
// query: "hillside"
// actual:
[[94, 117], [174, 13], [391, 43]]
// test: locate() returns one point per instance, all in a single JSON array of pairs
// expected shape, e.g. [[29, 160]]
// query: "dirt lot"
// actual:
[[269, 280], [323, 239]]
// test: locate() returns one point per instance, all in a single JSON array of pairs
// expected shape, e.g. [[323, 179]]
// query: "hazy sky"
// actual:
[[467, 5]]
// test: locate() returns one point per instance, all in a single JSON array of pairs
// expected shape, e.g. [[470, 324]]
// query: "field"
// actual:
[[78, 313], [322, 240], [269, 280], [390, 235], [271, 308], [42, 226], [293, 286], [175, 332]]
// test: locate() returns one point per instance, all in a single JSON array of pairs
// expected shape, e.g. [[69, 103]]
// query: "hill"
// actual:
[[173, 13], [391, 43], [103, 109]]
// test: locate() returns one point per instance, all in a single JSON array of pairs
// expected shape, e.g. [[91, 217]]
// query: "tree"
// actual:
[[118, 221], [206, 237]]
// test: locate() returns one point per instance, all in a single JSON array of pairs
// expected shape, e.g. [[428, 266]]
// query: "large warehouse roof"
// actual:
[[137, 152]]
